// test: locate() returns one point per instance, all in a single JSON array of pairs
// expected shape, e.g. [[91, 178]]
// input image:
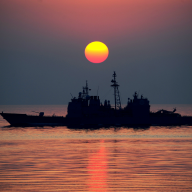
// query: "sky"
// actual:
[[42, 45]]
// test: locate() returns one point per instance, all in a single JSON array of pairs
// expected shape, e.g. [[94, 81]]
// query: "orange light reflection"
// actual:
[[97, 170]]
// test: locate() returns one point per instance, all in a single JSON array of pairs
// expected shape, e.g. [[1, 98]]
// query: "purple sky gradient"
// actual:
[[42, 49]]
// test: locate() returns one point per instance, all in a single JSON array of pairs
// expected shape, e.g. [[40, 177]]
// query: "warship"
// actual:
[[86, 110]]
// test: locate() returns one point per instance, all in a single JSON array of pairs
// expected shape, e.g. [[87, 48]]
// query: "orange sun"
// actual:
[[96, 52]]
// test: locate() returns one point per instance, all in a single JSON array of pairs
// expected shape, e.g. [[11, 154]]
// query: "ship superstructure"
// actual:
[[89, 106]]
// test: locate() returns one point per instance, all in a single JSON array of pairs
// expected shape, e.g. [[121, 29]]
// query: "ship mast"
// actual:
[[116, 92], [85, 90]]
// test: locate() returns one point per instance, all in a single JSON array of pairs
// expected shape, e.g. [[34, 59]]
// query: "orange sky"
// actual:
[[97, 19]]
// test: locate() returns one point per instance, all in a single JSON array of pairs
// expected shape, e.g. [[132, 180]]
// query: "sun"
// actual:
[[96, 52]]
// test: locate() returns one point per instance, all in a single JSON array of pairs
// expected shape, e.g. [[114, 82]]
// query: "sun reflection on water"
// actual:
[[97, 169]]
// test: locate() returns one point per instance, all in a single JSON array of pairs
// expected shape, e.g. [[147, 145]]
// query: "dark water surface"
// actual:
[[113, 159]]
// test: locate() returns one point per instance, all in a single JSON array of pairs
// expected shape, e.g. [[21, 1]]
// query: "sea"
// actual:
[[47, 159]]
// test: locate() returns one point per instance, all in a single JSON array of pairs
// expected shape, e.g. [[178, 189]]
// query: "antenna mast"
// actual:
[[85, 90], [116, 92]]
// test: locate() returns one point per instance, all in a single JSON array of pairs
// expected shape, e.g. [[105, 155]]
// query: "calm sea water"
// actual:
[[113, 159]]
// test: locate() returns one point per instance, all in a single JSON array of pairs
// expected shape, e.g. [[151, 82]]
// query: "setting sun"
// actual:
[[96, 52]]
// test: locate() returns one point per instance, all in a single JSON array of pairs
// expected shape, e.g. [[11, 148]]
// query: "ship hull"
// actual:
[[15, 119]]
